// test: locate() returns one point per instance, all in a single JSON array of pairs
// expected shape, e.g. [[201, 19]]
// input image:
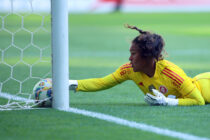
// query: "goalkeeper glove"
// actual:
[[159, 99], [73, 84]]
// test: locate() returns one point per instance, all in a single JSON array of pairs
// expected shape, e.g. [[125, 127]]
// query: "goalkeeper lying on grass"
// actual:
[[162, 82]]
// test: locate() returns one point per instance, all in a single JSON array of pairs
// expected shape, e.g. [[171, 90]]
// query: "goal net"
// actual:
[[25, 51]]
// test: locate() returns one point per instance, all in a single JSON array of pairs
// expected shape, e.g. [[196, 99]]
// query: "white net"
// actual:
[[25, 50]]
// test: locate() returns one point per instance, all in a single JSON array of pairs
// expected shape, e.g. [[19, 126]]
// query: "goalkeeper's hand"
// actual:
[[159, 99], [73, 85]]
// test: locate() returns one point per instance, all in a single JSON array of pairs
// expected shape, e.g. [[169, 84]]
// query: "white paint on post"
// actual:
[[60, 54]]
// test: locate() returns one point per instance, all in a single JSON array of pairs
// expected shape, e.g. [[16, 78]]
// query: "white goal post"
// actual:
[[34, 46], [60, 53]]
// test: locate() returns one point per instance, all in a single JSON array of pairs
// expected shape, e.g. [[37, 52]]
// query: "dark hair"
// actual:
[[150, 44]]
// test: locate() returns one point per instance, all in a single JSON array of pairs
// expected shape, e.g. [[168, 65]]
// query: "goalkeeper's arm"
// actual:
[[95, 84]]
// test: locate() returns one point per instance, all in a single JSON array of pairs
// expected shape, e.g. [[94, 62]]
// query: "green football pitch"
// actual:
[[99, 44]]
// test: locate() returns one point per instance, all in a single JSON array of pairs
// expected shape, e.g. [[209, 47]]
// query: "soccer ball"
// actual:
[[42, 93]]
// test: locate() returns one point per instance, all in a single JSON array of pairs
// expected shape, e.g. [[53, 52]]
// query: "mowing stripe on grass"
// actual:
[[132, 124], [120, 121]]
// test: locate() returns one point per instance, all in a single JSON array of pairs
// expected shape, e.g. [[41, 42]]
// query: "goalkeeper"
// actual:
[[162, 82]]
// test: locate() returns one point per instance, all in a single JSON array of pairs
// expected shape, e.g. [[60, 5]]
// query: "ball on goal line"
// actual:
[[42, 93]]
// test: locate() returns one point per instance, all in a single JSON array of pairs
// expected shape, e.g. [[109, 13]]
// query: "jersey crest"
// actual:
[[163, 89]]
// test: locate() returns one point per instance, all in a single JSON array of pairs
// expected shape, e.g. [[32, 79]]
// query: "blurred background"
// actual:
[[97, 36], [104, 6]]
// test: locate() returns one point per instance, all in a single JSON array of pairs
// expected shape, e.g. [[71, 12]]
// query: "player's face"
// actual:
[[137, 62]]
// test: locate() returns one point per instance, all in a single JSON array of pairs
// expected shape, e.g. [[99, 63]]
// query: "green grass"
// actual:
[[99, 44]]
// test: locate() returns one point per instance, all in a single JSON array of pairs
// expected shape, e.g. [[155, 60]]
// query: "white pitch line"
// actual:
[[132, 124], [14, 97], [23, 109]]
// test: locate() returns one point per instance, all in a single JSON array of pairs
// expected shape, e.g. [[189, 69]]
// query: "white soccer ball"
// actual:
[[42, 93]]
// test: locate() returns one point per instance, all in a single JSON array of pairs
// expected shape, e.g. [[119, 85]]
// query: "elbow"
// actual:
[[201, 102]]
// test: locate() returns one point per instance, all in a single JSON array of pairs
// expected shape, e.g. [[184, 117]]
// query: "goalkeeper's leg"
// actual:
[[203, 80]]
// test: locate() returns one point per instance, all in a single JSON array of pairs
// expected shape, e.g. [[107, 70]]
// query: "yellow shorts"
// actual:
[[203, 80]]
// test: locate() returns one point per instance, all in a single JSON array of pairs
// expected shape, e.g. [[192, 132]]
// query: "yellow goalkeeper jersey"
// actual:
[[168, 79]]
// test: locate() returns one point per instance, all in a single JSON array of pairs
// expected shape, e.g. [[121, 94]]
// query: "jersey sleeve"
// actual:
[[189, 93], [123, 73], [97, 84]]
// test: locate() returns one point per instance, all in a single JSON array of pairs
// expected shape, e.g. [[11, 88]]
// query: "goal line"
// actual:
[[137, 125], [20, 103]]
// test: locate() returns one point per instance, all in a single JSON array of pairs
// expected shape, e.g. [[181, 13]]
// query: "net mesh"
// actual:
[[25, 52]]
